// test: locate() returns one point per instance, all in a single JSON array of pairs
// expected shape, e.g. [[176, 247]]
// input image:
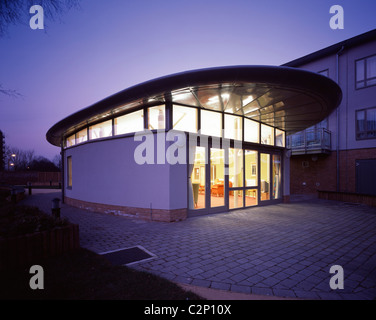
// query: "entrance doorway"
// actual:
[[207, 183], [226, 178]]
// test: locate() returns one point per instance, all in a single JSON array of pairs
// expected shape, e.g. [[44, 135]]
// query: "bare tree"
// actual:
[[17, 12], [57, 161], [19, 159]]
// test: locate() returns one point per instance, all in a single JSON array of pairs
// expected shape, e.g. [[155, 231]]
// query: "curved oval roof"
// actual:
[[286, 98]]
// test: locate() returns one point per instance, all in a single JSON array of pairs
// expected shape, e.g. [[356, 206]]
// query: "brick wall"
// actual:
[[162, 215], [309, 173]]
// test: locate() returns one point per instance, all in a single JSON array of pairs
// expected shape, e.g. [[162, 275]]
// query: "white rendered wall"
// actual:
[[106, 172]]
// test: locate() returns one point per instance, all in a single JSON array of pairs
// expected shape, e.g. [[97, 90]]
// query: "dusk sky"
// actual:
[[104, 47]]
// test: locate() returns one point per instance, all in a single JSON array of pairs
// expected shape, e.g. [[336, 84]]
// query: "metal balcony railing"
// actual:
[[310, 141]]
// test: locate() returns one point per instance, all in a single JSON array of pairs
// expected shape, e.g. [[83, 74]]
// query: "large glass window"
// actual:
[[211, 123], [236, 178], [277, 186], [156, 118], [197, 179], [251, 131], [184, 118], [267, 134], [265, 176], [217, 177], [365, 72], [366, 124], [235, 168], [71, 141], [69, 172], [233, 127], [250, 168], [81, 136], [279, 138], [131, 122], [100, 130]]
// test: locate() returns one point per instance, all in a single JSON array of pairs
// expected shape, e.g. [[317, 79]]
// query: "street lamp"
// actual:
[[11, 161]]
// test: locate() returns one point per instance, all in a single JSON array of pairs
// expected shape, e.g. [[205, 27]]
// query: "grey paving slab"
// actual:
[[283, 250]]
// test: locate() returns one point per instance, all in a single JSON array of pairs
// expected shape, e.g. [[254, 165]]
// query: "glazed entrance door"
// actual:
[[217, 178], [206, 183]]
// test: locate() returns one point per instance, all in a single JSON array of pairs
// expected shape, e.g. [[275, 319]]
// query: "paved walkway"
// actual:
[[283, 250]]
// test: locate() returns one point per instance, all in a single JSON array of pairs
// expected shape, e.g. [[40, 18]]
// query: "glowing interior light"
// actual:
[[247, 100], [215, 99]]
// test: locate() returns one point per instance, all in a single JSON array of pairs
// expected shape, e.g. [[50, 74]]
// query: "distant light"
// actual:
[[13, 155]]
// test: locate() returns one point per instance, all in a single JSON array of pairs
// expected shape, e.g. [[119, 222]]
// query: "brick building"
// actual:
[[339, 153]]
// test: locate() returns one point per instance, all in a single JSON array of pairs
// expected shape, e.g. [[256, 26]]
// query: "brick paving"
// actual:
[[282, 250]]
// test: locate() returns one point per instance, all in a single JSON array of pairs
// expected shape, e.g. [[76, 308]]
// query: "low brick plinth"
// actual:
[[162, 215], [369, 200]]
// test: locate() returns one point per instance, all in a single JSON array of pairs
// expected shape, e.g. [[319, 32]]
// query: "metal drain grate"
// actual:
[[128, 256]]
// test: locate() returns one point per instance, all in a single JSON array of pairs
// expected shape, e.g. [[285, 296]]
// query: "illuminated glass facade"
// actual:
[[234, 124]]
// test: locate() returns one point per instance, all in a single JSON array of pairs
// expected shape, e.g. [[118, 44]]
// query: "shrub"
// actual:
[[21, 220]]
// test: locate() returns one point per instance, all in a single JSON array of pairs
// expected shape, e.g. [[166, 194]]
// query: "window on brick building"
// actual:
[[366, 124], [365, 71]]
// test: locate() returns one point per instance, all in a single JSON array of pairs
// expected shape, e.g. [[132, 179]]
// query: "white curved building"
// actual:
[[197, 142]]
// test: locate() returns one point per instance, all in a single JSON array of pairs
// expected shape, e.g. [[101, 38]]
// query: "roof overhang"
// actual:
[[286, 98]]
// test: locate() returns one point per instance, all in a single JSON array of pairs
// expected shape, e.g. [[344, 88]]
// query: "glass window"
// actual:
[[360, 70], [371, 67], [250, 157], [69, 172], [277, 187], [156, 118], [366, 124], [365, 72], [267, 134], [251, 130], [197, 179], [235, 168], [279, 138], [131, 122], [100, 130], [217, 177], [360, 121], [265, 176], [184, 118], [71, 141], [235, 199], [233, 127], [251, 197], [81, 136], [211, 123]]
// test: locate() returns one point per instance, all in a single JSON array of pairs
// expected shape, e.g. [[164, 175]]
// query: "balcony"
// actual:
[[310, 141]]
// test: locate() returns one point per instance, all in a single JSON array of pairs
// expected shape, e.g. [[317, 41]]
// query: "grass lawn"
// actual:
[[80, 274], [85, 275]]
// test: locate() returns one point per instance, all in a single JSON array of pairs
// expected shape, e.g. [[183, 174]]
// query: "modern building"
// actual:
[[339, 153], [192, 143]]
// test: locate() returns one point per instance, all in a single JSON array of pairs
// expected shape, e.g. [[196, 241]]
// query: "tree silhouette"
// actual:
[[14, 12]]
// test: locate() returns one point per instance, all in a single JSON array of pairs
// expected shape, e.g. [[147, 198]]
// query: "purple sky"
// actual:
[[106, 46]]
